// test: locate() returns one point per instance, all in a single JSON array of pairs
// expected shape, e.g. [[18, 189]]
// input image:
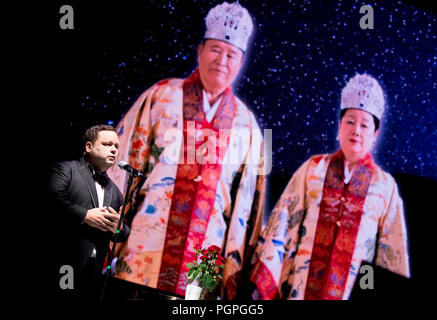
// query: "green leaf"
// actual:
[[195, 273], [190, 273], [201, 281], [190, 265], [211, 285]]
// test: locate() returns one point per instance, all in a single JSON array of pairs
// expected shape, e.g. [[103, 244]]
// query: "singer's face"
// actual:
[[104, 151]]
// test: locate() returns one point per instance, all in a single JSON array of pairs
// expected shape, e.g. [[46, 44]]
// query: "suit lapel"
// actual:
[[89, 181]]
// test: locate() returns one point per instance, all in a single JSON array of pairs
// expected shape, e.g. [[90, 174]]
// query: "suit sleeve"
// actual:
[[59, 181]]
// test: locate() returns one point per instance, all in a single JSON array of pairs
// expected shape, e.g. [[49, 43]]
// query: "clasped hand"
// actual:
[[105, 219]]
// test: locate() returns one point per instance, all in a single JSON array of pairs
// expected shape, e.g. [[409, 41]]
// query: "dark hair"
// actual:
[[91, 133], [375, 119]]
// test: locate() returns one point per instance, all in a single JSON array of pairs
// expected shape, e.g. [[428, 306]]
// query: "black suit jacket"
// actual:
[[72, 193]]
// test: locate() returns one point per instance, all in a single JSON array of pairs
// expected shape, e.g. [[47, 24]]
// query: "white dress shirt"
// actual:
[[100, 192], [100, 196]]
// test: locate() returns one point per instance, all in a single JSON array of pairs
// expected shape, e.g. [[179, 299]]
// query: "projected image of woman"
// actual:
[[337, 211]]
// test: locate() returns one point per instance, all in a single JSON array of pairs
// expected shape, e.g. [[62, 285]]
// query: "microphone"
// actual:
[[132, 171]]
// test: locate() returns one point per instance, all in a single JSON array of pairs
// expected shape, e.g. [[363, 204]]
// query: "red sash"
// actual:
[[265, 283], [340, 214], [196, 183]]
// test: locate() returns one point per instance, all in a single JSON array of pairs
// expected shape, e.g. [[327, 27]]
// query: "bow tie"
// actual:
[[101, 178]]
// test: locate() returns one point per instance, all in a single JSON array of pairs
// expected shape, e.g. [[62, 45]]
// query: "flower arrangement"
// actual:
[[207, 269]]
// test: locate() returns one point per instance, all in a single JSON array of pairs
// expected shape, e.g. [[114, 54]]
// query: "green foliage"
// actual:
[[208, 268]]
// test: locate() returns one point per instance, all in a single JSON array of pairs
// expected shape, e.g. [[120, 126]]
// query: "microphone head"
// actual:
[[122, 164]]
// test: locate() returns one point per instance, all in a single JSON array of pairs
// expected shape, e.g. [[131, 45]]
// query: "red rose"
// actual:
[[218, 262], [203, 258], [214, 248], [205, 252]]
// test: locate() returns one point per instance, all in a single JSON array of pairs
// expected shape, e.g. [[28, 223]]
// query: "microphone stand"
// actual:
[[111, 253]]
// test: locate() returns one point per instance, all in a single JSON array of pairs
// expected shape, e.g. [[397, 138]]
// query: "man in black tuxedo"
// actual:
[[84, 202]]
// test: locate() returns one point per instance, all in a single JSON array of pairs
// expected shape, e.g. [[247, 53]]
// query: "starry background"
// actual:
[[301, 55]]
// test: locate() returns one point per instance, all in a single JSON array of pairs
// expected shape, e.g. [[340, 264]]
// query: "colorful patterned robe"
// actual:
[[222, 207], [288, 261]]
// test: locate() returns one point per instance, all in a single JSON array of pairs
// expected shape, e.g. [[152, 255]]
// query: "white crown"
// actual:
[[363, 92], [230, 23]]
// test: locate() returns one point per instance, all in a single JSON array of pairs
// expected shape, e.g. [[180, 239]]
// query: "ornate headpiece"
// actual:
[[229, 22], [363, 92]]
